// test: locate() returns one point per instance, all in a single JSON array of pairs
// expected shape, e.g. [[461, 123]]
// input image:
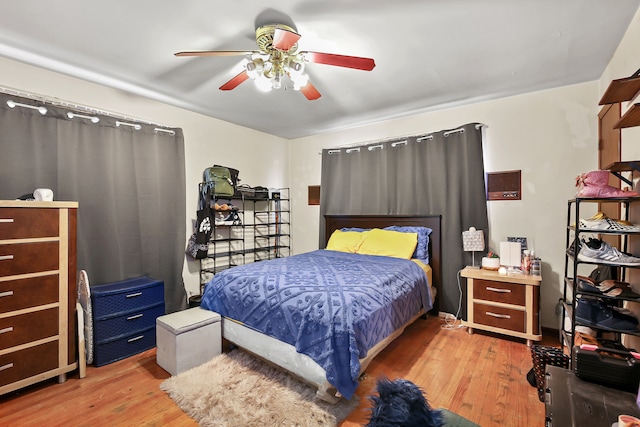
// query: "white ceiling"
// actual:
[[430, 54]]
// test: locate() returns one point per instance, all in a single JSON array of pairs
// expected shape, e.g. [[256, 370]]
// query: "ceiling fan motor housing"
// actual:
[[264, 37]]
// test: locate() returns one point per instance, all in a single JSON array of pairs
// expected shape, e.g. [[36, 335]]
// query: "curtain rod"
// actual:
[[78, 107], [398, 140]]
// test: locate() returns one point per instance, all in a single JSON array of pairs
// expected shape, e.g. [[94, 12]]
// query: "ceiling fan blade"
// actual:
[[235, 82], [356, 62], [310, 91], [215, 53], [284, 39]]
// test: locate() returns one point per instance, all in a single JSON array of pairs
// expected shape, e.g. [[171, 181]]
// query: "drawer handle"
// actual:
[[137, 316], [6, 294], [504, 291], [7, 366], [499, 316], [5, 330], [5, 257], [137, 294], [6, 220], [135, 338]]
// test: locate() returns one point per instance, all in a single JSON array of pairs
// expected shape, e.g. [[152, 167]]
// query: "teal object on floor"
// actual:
[[452, 419]]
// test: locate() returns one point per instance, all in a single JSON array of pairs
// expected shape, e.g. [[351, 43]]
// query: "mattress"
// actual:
[[332, 306]]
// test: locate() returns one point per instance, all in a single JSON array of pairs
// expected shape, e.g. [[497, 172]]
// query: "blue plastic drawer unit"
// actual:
[[124, 318]]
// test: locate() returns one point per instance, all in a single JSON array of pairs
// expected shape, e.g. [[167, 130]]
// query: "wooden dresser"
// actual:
[[37, 292], [508, 304]]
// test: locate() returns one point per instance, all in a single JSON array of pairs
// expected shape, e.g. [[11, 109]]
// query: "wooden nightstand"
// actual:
[[507, 304]]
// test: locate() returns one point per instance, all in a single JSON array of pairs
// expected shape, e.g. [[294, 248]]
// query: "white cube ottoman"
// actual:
[[188, 338]]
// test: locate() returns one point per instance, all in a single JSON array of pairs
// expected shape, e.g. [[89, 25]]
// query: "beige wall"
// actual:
[[207, 140]]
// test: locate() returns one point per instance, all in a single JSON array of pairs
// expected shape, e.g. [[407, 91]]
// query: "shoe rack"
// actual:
[[575, 267], [265, 235]]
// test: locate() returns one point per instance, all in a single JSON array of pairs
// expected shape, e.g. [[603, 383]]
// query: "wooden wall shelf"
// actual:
[[630, 118], [621, 90]]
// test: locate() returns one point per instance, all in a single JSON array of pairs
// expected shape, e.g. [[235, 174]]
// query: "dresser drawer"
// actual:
[[127, 324], [26, 293], [24, 328], [23, 258], [499, 317], [123, 347], [117, 299], [28, 362], [20, 223], [507, 293]]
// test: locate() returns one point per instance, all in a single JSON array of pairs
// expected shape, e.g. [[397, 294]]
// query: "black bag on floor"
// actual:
[[608, 366]]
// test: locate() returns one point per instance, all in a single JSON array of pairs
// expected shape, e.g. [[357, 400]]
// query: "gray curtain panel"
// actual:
[[441, 173], [130, 185]]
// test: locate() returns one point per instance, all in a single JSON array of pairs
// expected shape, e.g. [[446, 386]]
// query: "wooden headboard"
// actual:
[[336, 222]]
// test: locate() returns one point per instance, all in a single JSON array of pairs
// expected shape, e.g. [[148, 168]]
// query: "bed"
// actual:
[[323, 323]]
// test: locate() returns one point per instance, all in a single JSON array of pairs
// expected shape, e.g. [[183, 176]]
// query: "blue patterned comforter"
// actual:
[[332, 306]]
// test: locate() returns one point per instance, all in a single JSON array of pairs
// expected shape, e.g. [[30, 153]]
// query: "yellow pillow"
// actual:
[[388, 243], [345, 241]]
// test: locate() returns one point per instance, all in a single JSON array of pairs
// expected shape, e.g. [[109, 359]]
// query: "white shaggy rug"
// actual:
[[237, 389]]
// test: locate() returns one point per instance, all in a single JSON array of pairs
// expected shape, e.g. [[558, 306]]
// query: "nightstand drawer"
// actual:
[[23, 258], [507, 293], [499, 317], [26, 293], [28, 327], [20, 223]]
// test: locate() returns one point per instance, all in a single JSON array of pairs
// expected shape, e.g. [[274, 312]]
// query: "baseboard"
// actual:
[[547, 332]]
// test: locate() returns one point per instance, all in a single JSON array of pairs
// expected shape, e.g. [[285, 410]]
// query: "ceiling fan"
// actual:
[[278, 59]]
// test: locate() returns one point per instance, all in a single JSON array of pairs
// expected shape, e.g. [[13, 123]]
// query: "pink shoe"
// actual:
[[597, 178], [596, 184]]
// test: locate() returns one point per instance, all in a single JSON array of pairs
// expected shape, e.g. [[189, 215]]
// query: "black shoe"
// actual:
[[593, 312]]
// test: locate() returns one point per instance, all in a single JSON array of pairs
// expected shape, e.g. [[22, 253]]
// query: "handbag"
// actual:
[[218, 179], [196, 250], [198, 245]]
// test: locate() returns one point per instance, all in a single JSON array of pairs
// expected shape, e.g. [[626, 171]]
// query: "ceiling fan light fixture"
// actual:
[[295, 65], [276, 81], [255, 67], [263, 83]]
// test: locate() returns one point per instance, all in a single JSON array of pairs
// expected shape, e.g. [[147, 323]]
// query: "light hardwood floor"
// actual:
[[481, 377]]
